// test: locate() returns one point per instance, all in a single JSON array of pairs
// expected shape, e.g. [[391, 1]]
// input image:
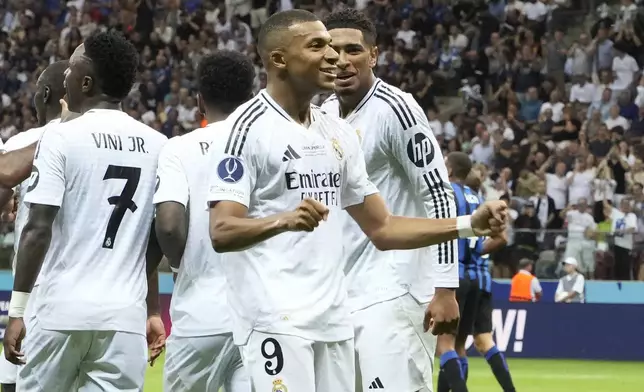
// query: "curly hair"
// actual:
[[225, 79], [115, 61], [350, 18]]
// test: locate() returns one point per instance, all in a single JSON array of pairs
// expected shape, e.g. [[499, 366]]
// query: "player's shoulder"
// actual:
[[399, 106], [241, 127], [23, 139], [330, 105]]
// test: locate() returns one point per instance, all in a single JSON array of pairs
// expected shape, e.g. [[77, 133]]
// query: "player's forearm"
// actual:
[[412, 233], [153, 253], [15, 166], [152, 298], [231, 234], [494, 244], [34, 243], [171, 229]]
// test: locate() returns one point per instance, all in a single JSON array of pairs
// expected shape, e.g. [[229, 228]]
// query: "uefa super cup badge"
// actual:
[[278, 386], [337, 149]]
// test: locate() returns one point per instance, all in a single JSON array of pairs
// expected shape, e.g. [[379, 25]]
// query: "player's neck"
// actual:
[[52, 115], [100, 102], [213, 116], [456, 181], [293, 102], [348, 103]]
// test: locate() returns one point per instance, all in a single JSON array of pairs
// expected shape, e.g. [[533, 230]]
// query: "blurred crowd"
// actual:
[[547, 97]]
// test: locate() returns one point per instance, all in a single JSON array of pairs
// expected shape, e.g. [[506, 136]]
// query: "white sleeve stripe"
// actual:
[[242, 126], [435, 183], [401, 102]]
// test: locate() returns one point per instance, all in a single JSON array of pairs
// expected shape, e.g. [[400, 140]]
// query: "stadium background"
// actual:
[[485, 72]]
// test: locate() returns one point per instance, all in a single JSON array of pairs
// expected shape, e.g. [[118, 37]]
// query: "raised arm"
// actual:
[[15, 166]]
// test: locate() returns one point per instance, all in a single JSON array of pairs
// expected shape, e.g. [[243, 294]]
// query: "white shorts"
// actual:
[[282, 363], [93, 360], [203, 364], [9, 371], [393, 353]]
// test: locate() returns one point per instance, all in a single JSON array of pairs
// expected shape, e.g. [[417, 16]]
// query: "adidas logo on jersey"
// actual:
[[290, 154], [376, 384]]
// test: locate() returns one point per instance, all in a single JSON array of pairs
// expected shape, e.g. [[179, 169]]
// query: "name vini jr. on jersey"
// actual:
[[322, 187], [109, 141]]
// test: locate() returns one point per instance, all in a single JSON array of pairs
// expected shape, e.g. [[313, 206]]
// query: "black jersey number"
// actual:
[[272, 351], [122, 202]]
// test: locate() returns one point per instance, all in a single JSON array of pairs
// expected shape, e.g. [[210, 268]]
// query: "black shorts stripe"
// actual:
[[229, 145], [393, 107], [400, 101], [439, 196], [247, 128], [240, 126]]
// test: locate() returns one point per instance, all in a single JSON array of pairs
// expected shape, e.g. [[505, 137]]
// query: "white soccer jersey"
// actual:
[[17, 142], [405, 162], [100, 169], [292, 283], [199, 306]]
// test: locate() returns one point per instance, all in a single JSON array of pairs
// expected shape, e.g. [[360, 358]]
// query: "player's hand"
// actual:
[[13, 336], [490, 218], [155, 331], [306, 217], [65, 114], [8, 213], [442, 314]]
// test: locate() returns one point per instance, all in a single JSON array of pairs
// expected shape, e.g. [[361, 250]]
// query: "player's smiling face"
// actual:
[[310, 60], [356, 60]]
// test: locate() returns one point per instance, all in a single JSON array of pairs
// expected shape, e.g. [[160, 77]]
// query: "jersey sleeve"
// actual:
[[172, 184], [233, 175], [417, 151], [47, 181], [357, 185]]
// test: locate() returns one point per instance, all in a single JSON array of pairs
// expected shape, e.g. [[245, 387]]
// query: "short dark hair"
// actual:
[[115, 61], [460, 163], [351, 18], [278, 22], [225, 79], [53, 76]]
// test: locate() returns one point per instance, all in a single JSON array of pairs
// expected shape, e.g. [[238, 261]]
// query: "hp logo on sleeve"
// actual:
[[230, 170], [420, 150]]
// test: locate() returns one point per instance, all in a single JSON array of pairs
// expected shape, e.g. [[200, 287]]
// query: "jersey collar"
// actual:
[[364, 99], [275, 106]]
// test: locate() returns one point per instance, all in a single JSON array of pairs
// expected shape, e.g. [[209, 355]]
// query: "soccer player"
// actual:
[[474, 292], [201, 355], [49, 93], [90, 199], [280, 177], [389, 291]]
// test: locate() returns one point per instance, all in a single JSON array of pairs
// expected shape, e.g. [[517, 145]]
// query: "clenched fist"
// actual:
[[306, 217], [490, 218]]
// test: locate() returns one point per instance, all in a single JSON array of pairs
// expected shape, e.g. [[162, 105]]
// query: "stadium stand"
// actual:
[[551, 111]]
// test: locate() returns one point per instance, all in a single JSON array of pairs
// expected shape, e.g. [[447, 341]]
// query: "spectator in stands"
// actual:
[[571, 286], [624, 225], [581, 229], [525, 287]]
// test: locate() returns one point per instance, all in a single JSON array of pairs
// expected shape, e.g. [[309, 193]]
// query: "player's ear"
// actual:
[[46, 94], [278, 59], [373, 56], [87, 84], [201, 106]]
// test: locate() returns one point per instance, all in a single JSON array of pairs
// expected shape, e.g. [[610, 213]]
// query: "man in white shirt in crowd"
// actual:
[[49, 93], [571, 286], [580, 244], [280, 179], [582, 91], [625, 69], [624, 225], [579, 181], [90, 199], [389, 291], [201, 355]]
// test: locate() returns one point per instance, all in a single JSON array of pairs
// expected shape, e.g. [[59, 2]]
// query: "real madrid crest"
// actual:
[[337, 149], [359, 135], [278, 386]]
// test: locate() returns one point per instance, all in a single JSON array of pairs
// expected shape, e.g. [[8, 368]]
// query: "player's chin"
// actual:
[[326, 81]]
